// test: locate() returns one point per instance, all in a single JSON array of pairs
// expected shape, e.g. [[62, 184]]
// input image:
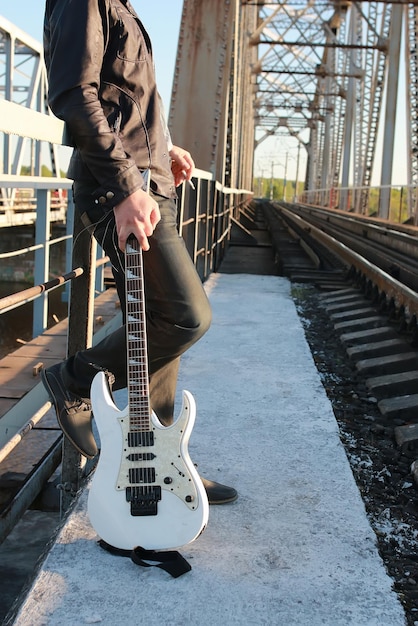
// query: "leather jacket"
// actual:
[[102, 84]]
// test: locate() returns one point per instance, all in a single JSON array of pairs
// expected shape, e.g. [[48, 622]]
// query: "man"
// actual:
[[102, 84]]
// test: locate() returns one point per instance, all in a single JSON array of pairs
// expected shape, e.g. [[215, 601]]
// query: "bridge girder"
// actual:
[[319, 77], [211, 110]]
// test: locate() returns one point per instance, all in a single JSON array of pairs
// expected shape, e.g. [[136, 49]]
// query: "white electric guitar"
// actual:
[[145, 491]]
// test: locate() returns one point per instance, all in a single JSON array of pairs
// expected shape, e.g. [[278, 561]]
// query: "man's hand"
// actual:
[[138, 214], [182, 165]]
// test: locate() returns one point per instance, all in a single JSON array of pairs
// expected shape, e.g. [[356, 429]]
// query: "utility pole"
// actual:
[[285, 177], [297, 174], [260, 183]]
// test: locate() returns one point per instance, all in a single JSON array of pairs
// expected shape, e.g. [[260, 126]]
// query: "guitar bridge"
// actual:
[[143, 500]]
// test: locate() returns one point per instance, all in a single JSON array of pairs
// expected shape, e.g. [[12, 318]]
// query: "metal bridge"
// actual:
[[327, 90], [333, 81]]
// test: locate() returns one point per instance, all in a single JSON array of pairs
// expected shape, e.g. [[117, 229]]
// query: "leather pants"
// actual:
[[177, 309]]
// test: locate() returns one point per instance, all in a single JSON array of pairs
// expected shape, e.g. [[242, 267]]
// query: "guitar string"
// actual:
[[138, 386]]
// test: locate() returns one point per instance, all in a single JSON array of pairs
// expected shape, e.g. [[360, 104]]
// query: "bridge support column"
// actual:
[[390, 114], [211, 111], [201, 79]]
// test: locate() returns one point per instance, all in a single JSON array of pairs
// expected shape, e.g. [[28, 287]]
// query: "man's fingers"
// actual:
[[138, 214], [144, 243], [140, 236], [155, 216]]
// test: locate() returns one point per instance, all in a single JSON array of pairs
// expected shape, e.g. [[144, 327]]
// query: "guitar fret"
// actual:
[[137, 362]]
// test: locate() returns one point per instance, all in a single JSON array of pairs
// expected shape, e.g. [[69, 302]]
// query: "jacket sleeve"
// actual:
[[75, 37]]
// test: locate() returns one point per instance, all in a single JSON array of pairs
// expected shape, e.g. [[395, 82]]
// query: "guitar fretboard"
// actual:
[[138, 387]]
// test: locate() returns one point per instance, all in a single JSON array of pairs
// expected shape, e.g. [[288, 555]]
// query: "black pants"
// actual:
[[177, 309]]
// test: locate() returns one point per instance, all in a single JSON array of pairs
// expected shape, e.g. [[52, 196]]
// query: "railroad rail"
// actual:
[[376, 309], [383, 255]]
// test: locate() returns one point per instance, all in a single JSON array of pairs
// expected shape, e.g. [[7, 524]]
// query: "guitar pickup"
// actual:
[[140, 439], [138, 475], [141, 456]]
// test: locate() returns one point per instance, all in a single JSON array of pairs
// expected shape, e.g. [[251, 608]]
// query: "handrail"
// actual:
[[8, 303], [9, 255], [205, 215], [206, 225], [16, 119]]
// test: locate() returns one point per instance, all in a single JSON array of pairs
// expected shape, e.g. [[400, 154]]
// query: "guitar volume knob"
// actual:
[[168, 480]]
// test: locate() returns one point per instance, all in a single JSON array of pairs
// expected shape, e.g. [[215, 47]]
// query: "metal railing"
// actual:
[[41, 189], [396, 203], [204, 222], [205, 214]]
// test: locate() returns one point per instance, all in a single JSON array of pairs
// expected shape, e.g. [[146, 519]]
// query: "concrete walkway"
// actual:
[[295, 549]]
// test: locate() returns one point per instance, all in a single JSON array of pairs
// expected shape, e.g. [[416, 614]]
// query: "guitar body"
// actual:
[[145, 490]]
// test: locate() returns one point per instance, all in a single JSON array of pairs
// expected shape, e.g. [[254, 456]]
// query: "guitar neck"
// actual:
[[137, 359]]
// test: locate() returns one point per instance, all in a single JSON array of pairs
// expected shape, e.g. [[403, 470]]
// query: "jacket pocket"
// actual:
[[132, 45]]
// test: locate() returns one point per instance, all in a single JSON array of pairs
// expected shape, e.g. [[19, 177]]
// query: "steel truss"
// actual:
[[321, 73], [327, 75], [23, 81]]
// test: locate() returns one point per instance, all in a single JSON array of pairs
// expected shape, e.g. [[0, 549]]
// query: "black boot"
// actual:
[[73, 413], [218, 493]]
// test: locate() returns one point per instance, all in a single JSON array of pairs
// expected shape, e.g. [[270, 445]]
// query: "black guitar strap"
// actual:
[[170, 560]]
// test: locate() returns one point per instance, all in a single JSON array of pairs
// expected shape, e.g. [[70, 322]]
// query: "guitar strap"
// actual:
[[170, 560]]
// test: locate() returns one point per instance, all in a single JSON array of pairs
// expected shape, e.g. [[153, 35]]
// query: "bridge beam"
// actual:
[[201, 79], [211, 88]]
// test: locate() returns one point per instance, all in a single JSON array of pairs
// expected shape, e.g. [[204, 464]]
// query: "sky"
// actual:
[[28, 16]]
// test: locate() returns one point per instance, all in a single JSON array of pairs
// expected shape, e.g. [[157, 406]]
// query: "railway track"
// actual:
[[361, 323], [374, 312]]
